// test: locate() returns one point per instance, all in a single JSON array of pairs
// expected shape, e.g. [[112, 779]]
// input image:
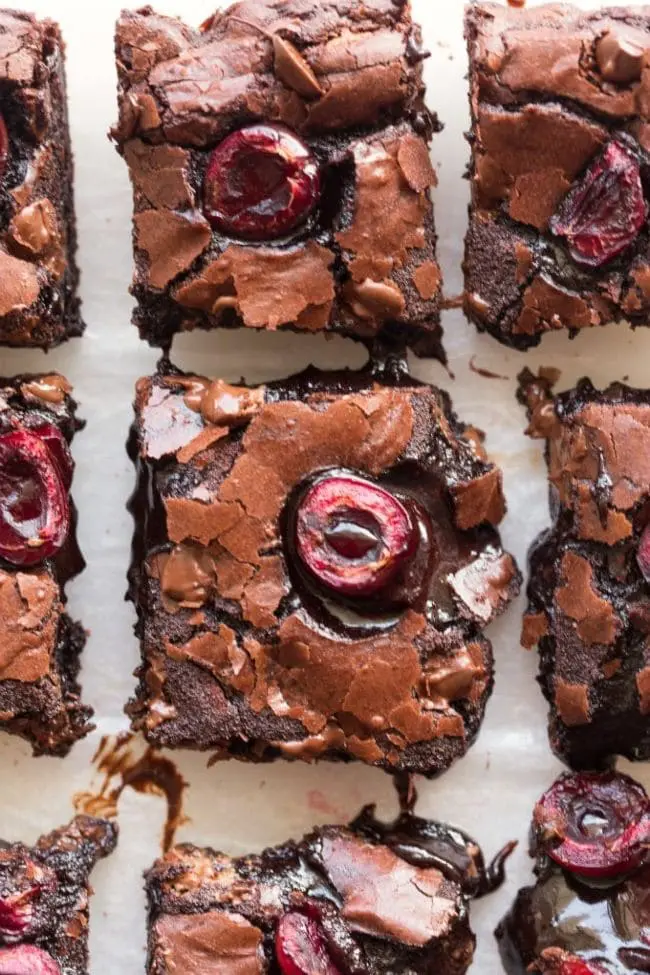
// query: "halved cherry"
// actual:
[[34, 507], [300, 947], [16, 913], [27, 960], [604, 212], [58, 447], [596, 824], [4, 146], [352, 536], [261, 182]]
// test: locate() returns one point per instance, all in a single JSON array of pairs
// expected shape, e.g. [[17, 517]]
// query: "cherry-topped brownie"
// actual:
[[368, 899], [588, 912], [314, 563], [38, 272], [39, 643], [44, 898], [589, 589], [279, 157], [560, 169]]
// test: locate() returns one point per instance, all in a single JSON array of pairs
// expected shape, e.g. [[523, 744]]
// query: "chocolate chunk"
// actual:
[[620, 56]]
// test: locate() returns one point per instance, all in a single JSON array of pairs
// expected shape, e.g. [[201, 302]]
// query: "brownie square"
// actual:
[[589, 589], [346, 81], [578, 918], [39, 643], [558, 235], [314, 563], [44, 895], [368, 898], [38, 240]]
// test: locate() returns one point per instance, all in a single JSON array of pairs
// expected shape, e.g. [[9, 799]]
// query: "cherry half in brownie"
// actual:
[[39, 644], [44, 895], [558, 233], [368, 899], [38, 273], [314, 563], [589, 589], [279, 157], [588, 912]]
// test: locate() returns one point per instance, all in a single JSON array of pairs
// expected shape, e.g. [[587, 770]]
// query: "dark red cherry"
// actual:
[[603, 212], [4, 147], [261, 182], [643, 554], [300, 947], [352, 536], [27, 960], [16, 912], [554, 961], [58, 447], [34, 508], [596, 824]]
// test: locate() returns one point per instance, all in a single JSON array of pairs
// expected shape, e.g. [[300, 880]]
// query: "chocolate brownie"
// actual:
[[279, 157], [38, 240], [588, 912], [589, 589], [39, 643], [368, 899], [314, 563], [558, 234], [44, 894]]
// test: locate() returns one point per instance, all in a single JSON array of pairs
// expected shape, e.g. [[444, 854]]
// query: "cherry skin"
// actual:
[[594, 824], [34, 507], [300, 947], [27, 960], [261, 182], [604, 212], [58, 447], [16, 914], [353, 537]]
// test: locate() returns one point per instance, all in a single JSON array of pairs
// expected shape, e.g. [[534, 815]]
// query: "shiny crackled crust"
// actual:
[[392, 899], [368, 126], [589, 605], [48, 886], [257, 666], [540, 113], [40, 645], [38, 272]]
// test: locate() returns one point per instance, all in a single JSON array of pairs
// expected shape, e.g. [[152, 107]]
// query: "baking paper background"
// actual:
[[235, 807]]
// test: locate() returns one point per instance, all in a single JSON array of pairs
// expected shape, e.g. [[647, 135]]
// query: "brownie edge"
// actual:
[[367, 899]]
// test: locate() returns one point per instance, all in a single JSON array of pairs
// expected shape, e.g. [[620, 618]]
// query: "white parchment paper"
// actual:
[[235, 807]]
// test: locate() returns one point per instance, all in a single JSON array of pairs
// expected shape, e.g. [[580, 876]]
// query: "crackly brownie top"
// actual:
[[589, 586], [33, 222], [598, 453], [367, 899], [38, 548], [331, 65], [596, 63], [588, 911], [308, 141], [44, 896], [343, 530], [561, 106]]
